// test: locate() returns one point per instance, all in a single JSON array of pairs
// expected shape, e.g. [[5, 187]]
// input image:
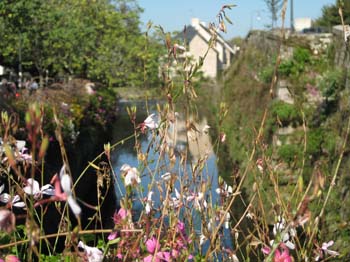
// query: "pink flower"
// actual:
[[12, 258], [283, 255], [112, 236], [152, 244], [120, 216], [181, 227]]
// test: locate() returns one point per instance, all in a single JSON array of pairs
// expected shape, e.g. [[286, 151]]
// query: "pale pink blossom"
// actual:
[[131, 175], [198, 200], [325, 250], [7, 221], [325, 247], [150, 122]]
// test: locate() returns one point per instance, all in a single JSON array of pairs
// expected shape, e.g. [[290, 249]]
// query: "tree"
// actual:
[[330, 14], [101, 40], [274, 6]]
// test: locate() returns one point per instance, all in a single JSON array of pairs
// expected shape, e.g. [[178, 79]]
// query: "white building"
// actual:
[[302, 23], [218, 58]]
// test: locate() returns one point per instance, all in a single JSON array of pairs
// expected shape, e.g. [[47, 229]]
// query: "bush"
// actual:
[[331, 83], [296, 65], [290, 153], [301, 56], [266, 74], [286, 113]]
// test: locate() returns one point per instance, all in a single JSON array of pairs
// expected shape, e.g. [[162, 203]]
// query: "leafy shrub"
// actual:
[[314, 142], [286, 113], [301, 56], [331, 83], [296, 65], [266, 74], [290, 153]]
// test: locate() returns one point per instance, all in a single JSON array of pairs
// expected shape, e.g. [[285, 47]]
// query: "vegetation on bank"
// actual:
[[292, 155]]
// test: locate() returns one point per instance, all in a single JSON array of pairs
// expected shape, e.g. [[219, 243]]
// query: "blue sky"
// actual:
[[174, 14]]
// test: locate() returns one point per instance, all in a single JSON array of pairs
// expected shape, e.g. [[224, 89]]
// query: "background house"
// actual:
[[301, 24], [218, 58]]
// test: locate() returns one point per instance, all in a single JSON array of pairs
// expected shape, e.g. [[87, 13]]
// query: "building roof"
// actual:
[[199, 28]]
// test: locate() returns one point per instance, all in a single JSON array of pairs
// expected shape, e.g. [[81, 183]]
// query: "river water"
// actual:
[[126, 154]]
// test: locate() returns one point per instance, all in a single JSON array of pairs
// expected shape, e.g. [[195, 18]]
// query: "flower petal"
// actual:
[[74, 206]]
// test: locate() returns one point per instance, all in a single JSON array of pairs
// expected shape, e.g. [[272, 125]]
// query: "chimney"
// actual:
[[195, 22]]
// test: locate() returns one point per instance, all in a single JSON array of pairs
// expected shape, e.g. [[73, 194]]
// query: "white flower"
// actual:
[[33, 188], [6, 198], [131, 175], [149, 203], [226, 190], [93, 254], [150, 122], [279, 228], [175, 201], [66, 184], [202, 239], [227, 220], [205, 129], [166, 176]]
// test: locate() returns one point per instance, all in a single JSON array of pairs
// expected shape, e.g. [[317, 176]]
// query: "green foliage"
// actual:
[[296, 65], [301, 55], [331, 83], [286, 113], [330, 15], [314, 141], [290, 153], [266, 74], [83, 38], [102, 107]]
